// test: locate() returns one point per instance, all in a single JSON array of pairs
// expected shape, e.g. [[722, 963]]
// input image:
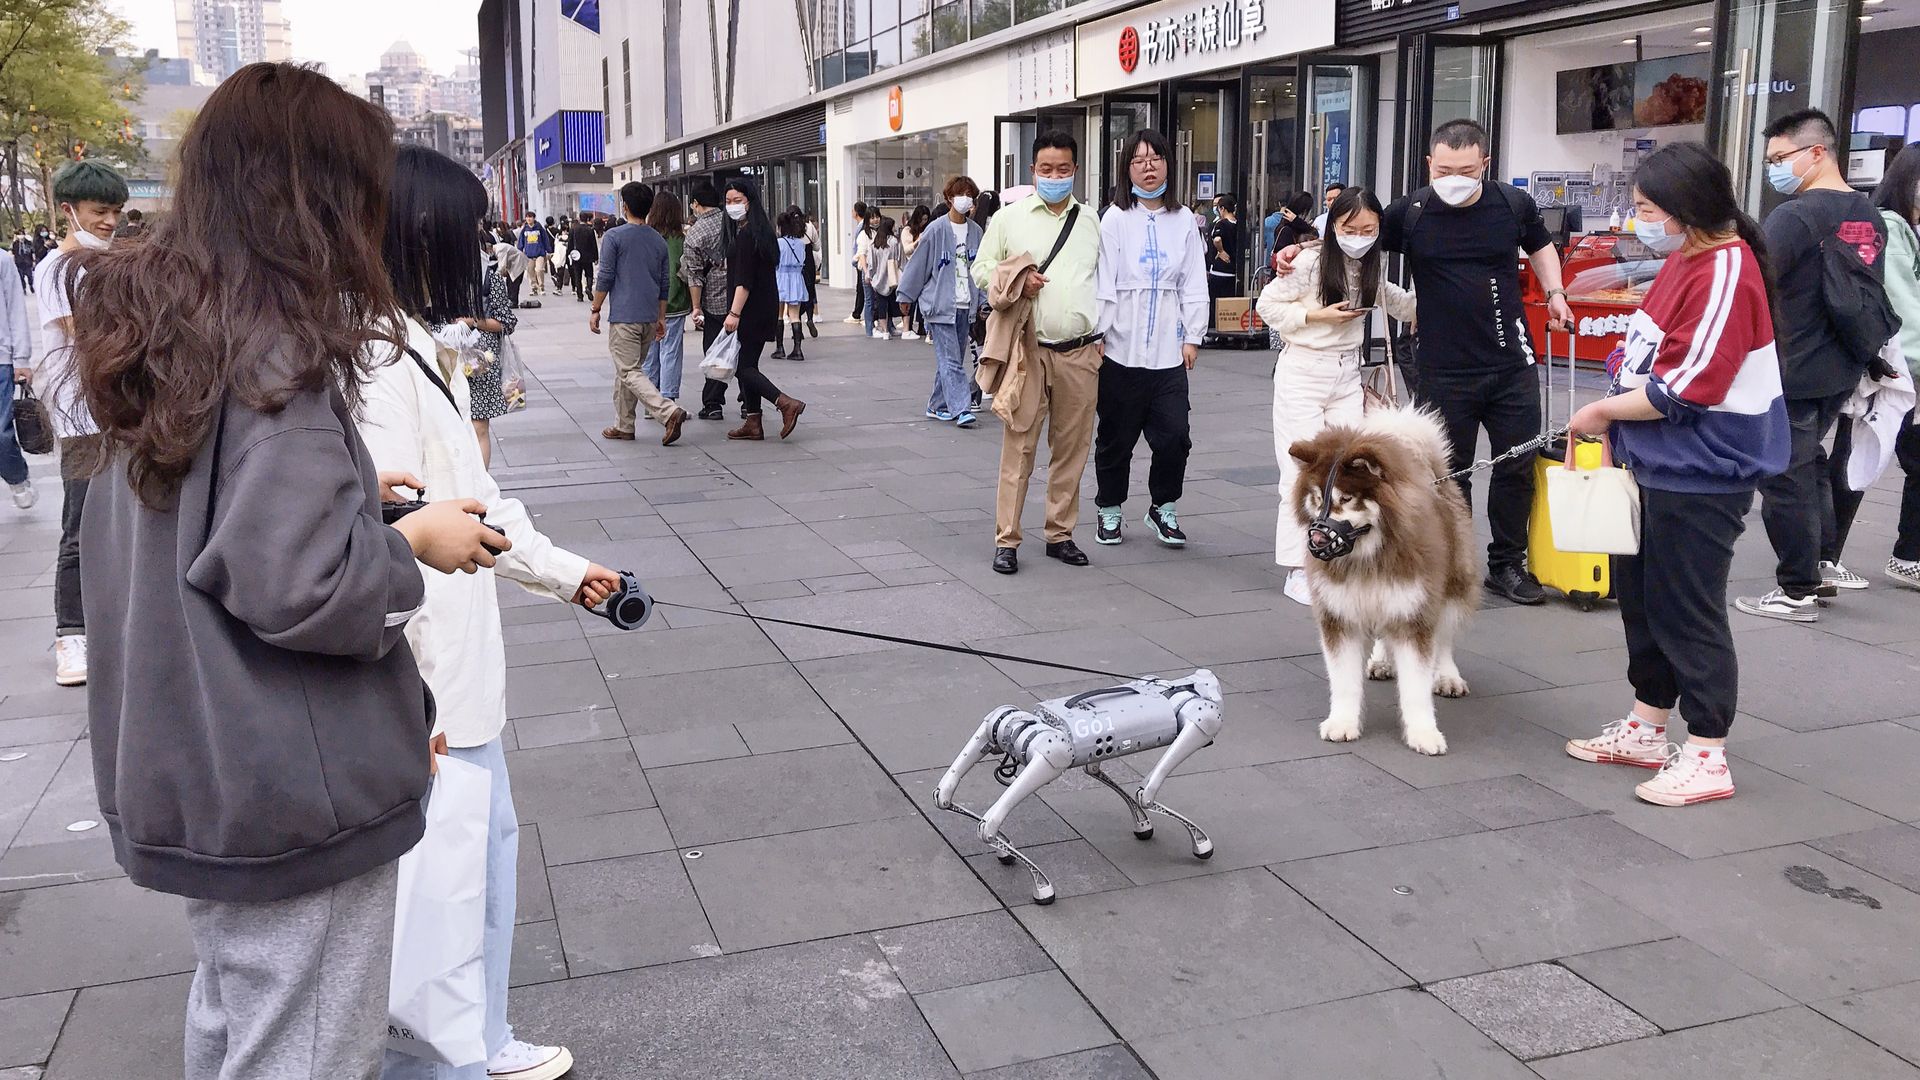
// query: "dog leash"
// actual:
[[936, 645], [1528, 447]]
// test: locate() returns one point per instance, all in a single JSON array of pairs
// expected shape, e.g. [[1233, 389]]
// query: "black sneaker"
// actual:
[[1108, 530], [712, 414], [1516, 584], [1164, 523]]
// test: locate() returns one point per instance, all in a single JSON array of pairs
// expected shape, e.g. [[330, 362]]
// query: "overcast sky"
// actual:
[[349, 35]]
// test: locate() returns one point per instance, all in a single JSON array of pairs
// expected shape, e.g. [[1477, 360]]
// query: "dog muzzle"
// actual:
[[1328, 538]]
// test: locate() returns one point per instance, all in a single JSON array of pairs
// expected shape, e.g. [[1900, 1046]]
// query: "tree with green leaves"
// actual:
[[58, 100]]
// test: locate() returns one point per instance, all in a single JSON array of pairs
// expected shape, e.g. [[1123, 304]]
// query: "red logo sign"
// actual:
[[896, 112], [1129, 50]]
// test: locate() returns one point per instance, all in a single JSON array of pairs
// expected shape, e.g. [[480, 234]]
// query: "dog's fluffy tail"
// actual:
[[1419, 428]]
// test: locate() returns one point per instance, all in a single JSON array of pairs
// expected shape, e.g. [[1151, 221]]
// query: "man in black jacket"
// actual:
[[583, 251]]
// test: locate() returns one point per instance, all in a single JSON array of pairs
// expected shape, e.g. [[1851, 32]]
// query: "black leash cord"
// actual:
[[941, 646]]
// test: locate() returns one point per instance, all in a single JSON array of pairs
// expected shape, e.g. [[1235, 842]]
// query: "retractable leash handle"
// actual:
[[629, 607]]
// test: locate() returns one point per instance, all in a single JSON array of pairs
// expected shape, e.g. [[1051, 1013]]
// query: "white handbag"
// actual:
[[437, 994], [1593, 511]]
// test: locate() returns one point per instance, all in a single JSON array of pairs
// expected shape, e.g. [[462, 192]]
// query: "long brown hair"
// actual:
[[666, 217], [265, 280]]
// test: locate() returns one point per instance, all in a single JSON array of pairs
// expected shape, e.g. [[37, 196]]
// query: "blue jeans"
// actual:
[[881, 301], [950, 392], [13, 464], [662, 365], [503, 852]]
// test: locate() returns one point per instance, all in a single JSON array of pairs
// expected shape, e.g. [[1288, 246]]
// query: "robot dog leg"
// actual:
[[1086, 730]]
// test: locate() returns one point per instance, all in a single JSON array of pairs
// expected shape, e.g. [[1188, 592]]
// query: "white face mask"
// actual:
[[86, 238], [1654, 234], [1355, 246], [963, 204], [737, 211], [1456, 190]]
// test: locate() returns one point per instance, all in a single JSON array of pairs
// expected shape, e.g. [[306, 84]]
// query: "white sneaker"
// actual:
[[879, 335], [70, 660], [909, 336], [852, 320], [1835, 576], [1297, 589], [1904, 572], [524, 1061], [1778, 605], [23, 494], [1631, 741], [1691, 774]]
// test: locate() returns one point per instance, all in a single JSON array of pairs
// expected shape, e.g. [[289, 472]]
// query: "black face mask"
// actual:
[[1328, 538]]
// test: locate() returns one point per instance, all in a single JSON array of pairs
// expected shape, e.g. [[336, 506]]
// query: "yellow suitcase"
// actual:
[[1583, 577]]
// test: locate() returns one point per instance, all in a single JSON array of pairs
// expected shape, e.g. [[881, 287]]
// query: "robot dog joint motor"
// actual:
[[1087, 730]]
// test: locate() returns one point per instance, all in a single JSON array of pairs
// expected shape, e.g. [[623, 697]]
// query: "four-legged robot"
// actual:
[[1086, 730]]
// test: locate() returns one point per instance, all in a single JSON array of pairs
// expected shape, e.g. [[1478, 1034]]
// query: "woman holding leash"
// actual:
[[1697, 414], [1319, 313]]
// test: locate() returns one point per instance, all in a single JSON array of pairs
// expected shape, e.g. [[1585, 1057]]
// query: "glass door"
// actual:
[[1449, 78], [1273, 111], [1204, 141], [1121, 117], [1772, 57], [1339, 104], [1013, 152]]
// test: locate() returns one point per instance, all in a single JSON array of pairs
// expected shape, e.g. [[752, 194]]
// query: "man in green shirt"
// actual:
[[1067, 377]]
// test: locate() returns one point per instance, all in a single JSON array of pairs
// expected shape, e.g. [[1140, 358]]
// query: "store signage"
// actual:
[[1040, 71], [693, 160], [895, 113], [1183, 37], [733, 151], [1371, 20], [673, 163]]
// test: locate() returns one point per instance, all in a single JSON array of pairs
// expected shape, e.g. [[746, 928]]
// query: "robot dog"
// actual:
[[1087, 730]]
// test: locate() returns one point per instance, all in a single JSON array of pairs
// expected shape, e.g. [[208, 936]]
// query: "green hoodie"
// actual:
[[1903, 285]]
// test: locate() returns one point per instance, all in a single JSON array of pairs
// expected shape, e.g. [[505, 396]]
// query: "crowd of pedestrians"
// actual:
[[238, 390]]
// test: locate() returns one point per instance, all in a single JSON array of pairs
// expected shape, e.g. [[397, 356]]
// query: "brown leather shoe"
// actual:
[[675, 420], [790, 410], [749, 429], [617, 435]]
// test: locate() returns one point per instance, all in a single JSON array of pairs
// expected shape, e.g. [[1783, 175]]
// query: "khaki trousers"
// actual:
[[537, 269], [628, 342], [1068, 384]]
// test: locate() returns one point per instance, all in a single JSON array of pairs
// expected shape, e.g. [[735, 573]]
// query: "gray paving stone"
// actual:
[[1503, 802], [130, 1030], [631, 912], [577, 780], [1235, 638], [1788, 679], [745, 694], [757, 1015], [1477, 903], [1340, 776], [867, 681], [590, 724], [606, 836], [1392, 1035], [1541, 1009], [1073, 867], [1107, 604], [960, 952], [1676, 983], [1032, 822], [1008, 1021], [715, 647], [1867, 764], [734, 799], [777, 736], [1398, 817], [538, 956], [533, 900], [688, 745], [29, 730], [832, 881], [1248, 946], [1118, 649], [927, 733], [549, 652], [556, 688], [26, 779], [1891, 852], [1258, 730], [1100, 1063], [1790, 1044], [28, 1025], [33, 863], [942, 611], [1255, 675], [1591, 847], [1809, 944], [1883, 1016], [67, 936]]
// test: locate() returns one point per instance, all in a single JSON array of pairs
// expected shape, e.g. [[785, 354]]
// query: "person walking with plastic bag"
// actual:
[[1698, 415], [938, 283], [412, 423], [754, 310], [1898, 198]]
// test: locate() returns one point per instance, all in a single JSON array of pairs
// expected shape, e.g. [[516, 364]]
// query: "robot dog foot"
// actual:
[[1004, 850], [1140, 806]]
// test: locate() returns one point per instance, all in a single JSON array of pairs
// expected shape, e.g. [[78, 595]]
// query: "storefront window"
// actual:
[[1776, 56], [859, 62], [886, 49], [916, 35], [859, 17], [949, 25], [990, 15], [833, 70], [1203, 142], [1273, 115], [898, 174], [886, 13]]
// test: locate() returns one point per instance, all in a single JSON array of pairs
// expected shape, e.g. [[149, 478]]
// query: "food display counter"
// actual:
[[1606, 275]]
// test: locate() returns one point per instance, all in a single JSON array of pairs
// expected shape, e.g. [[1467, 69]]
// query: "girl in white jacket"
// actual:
[[414, 422], [1319, 313]]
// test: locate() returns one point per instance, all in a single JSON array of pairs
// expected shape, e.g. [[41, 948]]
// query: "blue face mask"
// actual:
[[1780, 174], [1142, 193], [1053, 189]]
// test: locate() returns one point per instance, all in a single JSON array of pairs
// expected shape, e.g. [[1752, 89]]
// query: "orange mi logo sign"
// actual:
[[894, 117]]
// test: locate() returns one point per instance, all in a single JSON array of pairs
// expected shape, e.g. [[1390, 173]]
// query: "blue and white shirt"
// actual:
[[1151, 285]]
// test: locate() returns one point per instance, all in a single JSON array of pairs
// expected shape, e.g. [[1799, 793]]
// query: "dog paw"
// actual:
[[1333, 730], [1379, 670], [1429, 741], [1449, 686]]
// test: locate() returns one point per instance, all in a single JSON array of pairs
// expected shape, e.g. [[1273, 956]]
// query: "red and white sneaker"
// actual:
[[1692, 774], [524, 1061], [1631, 741]]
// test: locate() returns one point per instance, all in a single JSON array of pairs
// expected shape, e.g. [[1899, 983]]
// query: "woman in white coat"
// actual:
[[1319, 313], [414, 423]]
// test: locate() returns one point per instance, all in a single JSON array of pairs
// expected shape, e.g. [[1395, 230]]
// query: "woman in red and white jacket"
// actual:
[[1698, 415]]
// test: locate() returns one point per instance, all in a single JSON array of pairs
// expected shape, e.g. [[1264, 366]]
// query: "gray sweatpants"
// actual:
[[292, 989]]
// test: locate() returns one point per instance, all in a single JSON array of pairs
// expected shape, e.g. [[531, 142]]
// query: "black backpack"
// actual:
[[1855, 295]]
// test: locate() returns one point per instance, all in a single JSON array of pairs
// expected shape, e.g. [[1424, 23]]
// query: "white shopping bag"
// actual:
[[720, 360], [437, 1000], [1593, 511]]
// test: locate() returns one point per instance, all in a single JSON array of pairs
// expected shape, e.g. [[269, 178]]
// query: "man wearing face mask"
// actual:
[[1059, 234], [1475, 362], [1818, 369], [90, 196]]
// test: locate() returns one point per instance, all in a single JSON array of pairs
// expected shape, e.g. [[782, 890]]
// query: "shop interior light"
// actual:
[[1629, 41], [1866, 18], [1709, 29]]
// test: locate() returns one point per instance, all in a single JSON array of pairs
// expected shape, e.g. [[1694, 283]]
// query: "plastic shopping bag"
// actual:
[[720, 360], [513, 377], [437, 999]]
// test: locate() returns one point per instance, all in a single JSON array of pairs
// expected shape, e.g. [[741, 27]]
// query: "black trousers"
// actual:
[[754, 386], [26, 274], [859, 294], [1906, 544], [811, 271], [1507, 405], [582, 279], [1133, 402], [77, 458], [1846, 501], [1673, 602], [1797, 506], [713, 393]]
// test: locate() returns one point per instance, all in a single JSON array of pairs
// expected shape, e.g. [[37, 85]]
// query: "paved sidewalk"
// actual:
[[1500, 912]]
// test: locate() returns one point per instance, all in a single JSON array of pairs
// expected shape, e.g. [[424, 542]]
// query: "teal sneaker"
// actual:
[[1109, 530]]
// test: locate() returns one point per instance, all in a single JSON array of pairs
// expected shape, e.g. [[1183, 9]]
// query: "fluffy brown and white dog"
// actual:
[[1393, 565]]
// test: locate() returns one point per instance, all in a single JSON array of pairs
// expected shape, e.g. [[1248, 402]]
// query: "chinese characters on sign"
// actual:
[[1223, 24], [1040, 71]]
